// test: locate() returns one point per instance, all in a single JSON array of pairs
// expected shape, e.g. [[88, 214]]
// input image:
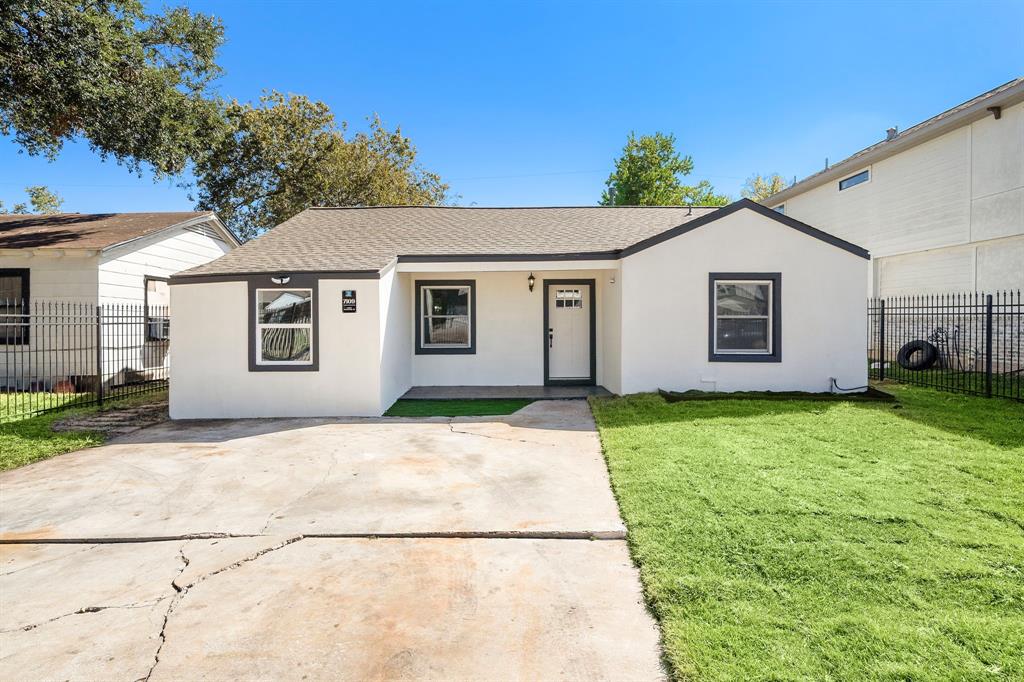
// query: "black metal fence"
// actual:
[[968, 343], [58, 354]]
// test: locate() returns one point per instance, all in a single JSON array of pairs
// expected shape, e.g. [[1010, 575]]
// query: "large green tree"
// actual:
[[287, 153], [759, 187], [134, 84], [649, 173], [40, 200]]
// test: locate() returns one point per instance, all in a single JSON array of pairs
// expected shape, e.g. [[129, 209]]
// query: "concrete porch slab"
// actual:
[[503, 392]]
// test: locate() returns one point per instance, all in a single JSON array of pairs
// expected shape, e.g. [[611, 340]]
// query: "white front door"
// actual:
[[569, 334]]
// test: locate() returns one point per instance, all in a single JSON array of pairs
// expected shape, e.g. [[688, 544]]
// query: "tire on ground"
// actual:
[[917, 355]]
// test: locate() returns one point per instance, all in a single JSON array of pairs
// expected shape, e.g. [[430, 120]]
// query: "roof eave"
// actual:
[[206, 217], [200, 277], [977, 111]]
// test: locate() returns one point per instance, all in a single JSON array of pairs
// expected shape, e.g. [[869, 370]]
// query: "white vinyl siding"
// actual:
[[965, 187], [56, 277], [122, 270]]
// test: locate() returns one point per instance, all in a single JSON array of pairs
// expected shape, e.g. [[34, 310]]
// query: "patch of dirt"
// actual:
[[117, 421]]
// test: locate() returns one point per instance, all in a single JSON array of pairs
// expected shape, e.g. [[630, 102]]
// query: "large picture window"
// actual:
[[14, 301], [445, 317], [284, 326], [744, 321]]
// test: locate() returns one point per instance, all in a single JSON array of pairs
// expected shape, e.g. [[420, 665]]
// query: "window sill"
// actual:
[[744, 357], [445, 351], [254, 367]]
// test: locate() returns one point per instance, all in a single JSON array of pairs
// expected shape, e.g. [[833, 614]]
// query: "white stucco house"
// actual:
[[341, 311], [940, 205], [80, 261]]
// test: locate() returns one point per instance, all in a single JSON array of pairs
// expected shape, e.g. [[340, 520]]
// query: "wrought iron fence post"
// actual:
[[99, 355], [881, 342], [988, 345]]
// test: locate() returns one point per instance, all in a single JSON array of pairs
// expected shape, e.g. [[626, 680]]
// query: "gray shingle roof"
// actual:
[[368, 239]]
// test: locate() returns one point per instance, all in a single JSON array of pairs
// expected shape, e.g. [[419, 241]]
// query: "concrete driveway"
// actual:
[[309, 549]]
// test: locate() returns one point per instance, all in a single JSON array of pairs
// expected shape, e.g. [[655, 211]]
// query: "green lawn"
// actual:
[[14, 406], [827, 541], [455, 408], [30, 440], [1005, 385]]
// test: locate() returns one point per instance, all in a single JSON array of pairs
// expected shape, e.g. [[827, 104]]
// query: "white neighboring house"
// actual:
[[341, 311], [939, 205], [88, 260]]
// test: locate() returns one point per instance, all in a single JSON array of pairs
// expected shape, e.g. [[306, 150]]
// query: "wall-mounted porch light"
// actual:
[[281, 279], [531, 280]]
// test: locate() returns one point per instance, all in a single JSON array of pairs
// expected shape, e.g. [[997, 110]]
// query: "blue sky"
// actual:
[[527, 103]]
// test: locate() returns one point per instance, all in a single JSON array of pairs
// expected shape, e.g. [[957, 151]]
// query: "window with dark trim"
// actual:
[[445, 317], [14, 301], [284, 326], [283, 323], [854, 180], [157, 305], [745, 317]]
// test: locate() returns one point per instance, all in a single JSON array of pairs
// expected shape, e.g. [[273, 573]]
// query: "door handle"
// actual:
[[551, 337]]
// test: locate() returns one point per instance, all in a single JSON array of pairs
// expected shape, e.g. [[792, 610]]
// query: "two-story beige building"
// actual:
[[939, 205]]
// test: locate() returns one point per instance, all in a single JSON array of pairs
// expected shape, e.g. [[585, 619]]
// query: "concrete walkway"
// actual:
[[351, 549], [502, 392]]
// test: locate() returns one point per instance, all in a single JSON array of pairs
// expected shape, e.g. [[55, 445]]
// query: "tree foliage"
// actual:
[[41, 200], [133, 84], [759, 187], [287, 153], [649, 173]]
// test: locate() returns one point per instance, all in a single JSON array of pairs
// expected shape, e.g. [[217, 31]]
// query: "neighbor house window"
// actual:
[[446, 317], [284, 327], [14, 319], [744, 320], [853, 180], [157, 304], [781, 208]]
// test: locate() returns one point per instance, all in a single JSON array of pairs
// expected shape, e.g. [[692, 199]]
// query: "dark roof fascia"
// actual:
[[594, 255], [495, 208], [507, 257], [247, 276], [757, 208], [650, 241]]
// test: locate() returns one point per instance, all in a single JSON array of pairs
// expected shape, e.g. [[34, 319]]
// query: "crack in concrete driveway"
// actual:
[[330, 548]]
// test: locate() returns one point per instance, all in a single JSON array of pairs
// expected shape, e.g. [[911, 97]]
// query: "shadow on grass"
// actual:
[[997, 421], [27, 405]]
